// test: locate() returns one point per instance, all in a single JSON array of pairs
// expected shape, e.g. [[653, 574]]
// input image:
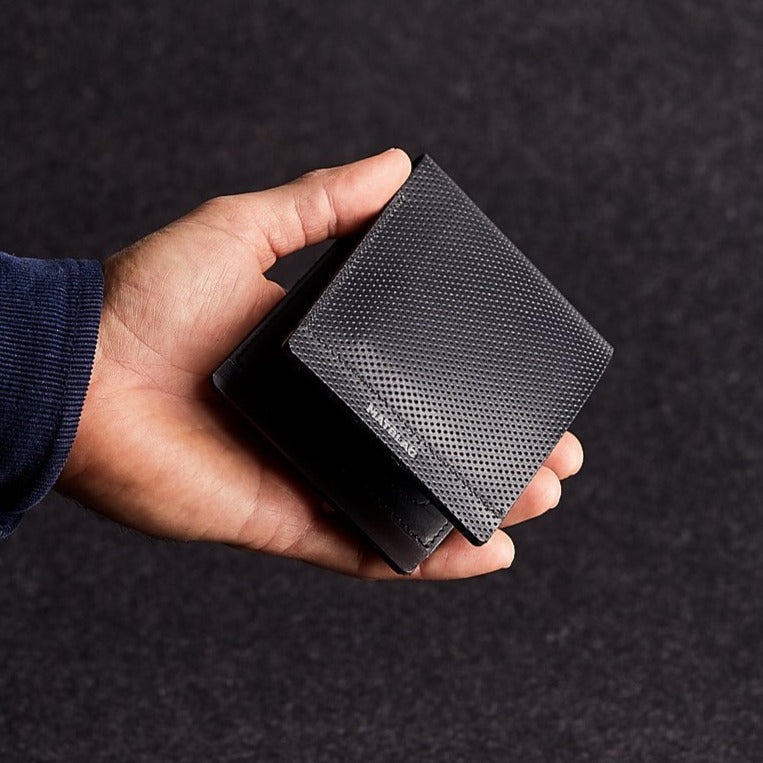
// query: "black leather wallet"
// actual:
[[420, 373]]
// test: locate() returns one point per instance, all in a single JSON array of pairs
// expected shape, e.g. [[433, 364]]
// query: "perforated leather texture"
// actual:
[[453, 349]]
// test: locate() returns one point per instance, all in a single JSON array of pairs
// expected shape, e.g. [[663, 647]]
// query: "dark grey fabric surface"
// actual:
[[621, 147]]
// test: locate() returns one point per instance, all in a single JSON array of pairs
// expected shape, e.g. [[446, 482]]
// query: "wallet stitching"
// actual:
[[425, 543], [437, 457], [420, 502]]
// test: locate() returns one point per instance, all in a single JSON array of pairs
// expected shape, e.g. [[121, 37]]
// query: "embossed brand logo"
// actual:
[[391, 430]]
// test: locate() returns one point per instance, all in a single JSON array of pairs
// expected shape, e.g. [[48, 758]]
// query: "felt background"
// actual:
[[620, 145]]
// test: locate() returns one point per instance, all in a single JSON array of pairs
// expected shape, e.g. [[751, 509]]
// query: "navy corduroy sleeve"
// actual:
[[49, 316]]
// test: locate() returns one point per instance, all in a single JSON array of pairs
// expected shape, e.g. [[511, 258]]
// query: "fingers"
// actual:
[[323, 204], [454, 559], [306, 534], [545, 490], [566, 458], [327, 545], [457, 558], [290, 525], [542, 493]]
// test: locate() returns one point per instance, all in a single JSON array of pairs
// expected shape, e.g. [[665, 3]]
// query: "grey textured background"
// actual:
[[621, 147]]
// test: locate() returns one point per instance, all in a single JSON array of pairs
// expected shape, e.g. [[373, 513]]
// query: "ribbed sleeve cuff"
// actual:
[[49, 318]]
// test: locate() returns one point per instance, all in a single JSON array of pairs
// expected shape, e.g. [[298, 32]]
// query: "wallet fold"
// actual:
[[453, 349]]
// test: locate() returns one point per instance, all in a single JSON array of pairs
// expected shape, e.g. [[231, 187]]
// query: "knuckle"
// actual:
[[222, 211], [288, 539], [313, 174], [218, 205], [278, 233]]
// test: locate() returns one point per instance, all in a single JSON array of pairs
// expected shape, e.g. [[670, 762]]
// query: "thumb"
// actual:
[[322, 204]]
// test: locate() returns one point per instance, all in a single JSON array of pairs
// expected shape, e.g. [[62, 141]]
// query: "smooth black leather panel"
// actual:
[[453, 349]]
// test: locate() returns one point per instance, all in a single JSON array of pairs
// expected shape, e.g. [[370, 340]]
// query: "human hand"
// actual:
[[157, 450]]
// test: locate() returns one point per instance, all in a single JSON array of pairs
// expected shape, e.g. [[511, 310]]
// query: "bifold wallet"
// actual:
[[420, 373]]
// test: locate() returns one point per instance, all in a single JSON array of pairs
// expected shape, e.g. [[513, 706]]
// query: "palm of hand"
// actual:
[[157, 451]]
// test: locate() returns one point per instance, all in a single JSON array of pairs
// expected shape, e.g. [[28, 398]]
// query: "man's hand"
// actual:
[[156, 450]]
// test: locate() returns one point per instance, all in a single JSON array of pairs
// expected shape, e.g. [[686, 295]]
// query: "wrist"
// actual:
[[76, 462], [85, 440]]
